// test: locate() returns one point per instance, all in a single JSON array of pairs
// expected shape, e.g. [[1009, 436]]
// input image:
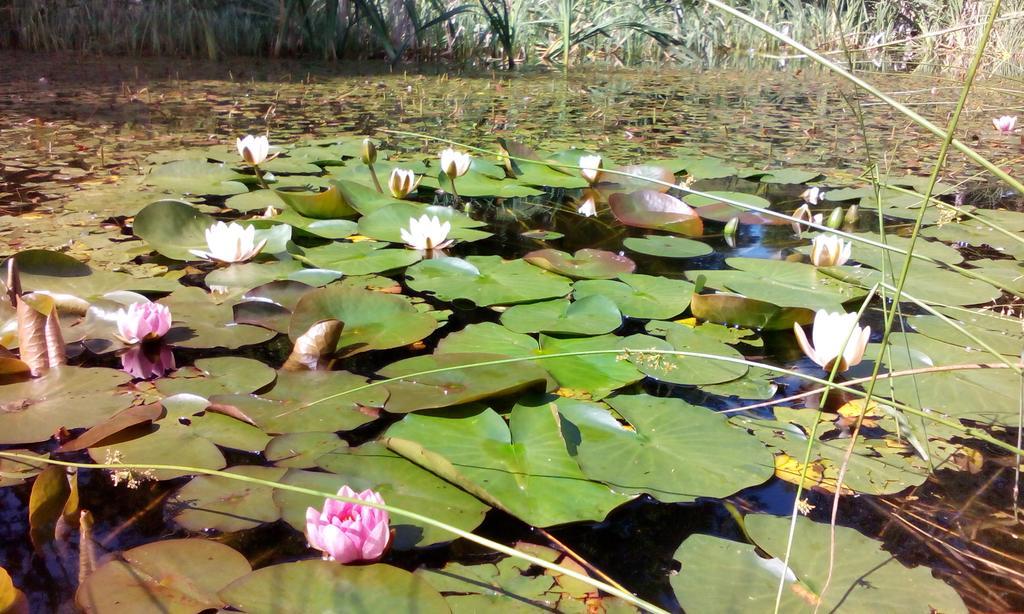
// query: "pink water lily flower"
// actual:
[[1005, 124], [347, 532], [146, 363], [143, 322], [836, 336]]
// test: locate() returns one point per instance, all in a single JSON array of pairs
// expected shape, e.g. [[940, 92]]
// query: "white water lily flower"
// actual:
[[1005, 124], [402, 182], [588, 207], [803, 212], [427, 233], [230, 243], [830, 333], [813, 195], [454, 163], [830, 250], [254, 150], [590, 168]]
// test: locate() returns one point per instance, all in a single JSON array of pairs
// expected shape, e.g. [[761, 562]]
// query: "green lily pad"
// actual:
[[591, 315], [188, 435], [309, 401], [925, 282], [653, 209], [687, 370], [55, 272], [1002, 335], [476, 184], [667, 246], [781, 283], [386, 223], [789, 175], [325, 586], [35, 409], [326, 229], [584, 264], [522, 467], [702, 167], [739, 310], [486, 280], [300, 450], [714, 207], [457, 386], [668, 449], [399, 481], [488, 337], [175, 576], [211, 502], [597, 374], [222, 375], [363, 258], [252, 274], [721, 575], [197, 177], [174, 228], [372, 320], [199, 322], [640, 296], [317, 202]]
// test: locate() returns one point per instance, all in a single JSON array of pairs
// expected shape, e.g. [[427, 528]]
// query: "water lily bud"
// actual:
[[835, 219], [731, 226], [143, 322], [852, 215], [830, 250], [348, 532], [369, 153], [402, 182], [426, 233], [835, 336]]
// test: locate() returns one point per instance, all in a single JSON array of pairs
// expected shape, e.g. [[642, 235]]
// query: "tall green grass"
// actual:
[[910, 33]]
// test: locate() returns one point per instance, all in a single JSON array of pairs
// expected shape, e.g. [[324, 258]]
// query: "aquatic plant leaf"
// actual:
[[522, 467], [363, 258], [687, 370], [362, 197], [876, 257], [188, 435], [400, 482], [50, 491], [591, 315], [34, 410], [372, 320], [325, 229], [300, 450], [597, 374], [386, 223], [925, 282], [721, 575], [175, 228], [175, 576], [782, 283], [199, 322], [197, 177], [457, 386], [668, 449], [975, 232], [309, 401], [788, 175], [756, 384], [476, 184], [12, 600], [488, 337], [128, 418], [653, 209], [17, 471], [1004, 335], [59, 273], [317, 202], [702, 167], [640, 296], [325, 586], [252, 274], [584, 264], [713, 208], [313, 349], [486, 280], [1009, 273], [738, 310], [220, 375], [667, 246], [211, 502]]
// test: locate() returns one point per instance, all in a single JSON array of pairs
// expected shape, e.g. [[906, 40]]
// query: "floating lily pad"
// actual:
[[522, 467], [666, 246], [738, 310], [211, 502], [188, 435], [668, 448], [488, 337], [55, 272], [222, 375], [455, 386], [640, 296], [399, 481], [591, 315], [925, 282], [327, 229], [35, 409], [721, 575], [714, 207], [309, 401], [174, 228], [475, 184], [372, 320], [252, 274], [386, 223], [596, 374], [316, 202], [788, 175], [363, 258], [543, 235], [325, 586], [174, 576], [199, 322], [689, 370], [300, 450], [1002, 335], [584, 264], [197, 177], [653, 209], [486, 280]]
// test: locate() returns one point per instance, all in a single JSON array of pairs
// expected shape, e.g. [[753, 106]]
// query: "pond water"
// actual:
[[89, 144]]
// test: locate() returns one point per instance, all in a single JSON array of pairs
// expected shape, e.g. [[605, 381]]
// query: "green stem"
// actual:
[[376, 182], [611, 590]]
